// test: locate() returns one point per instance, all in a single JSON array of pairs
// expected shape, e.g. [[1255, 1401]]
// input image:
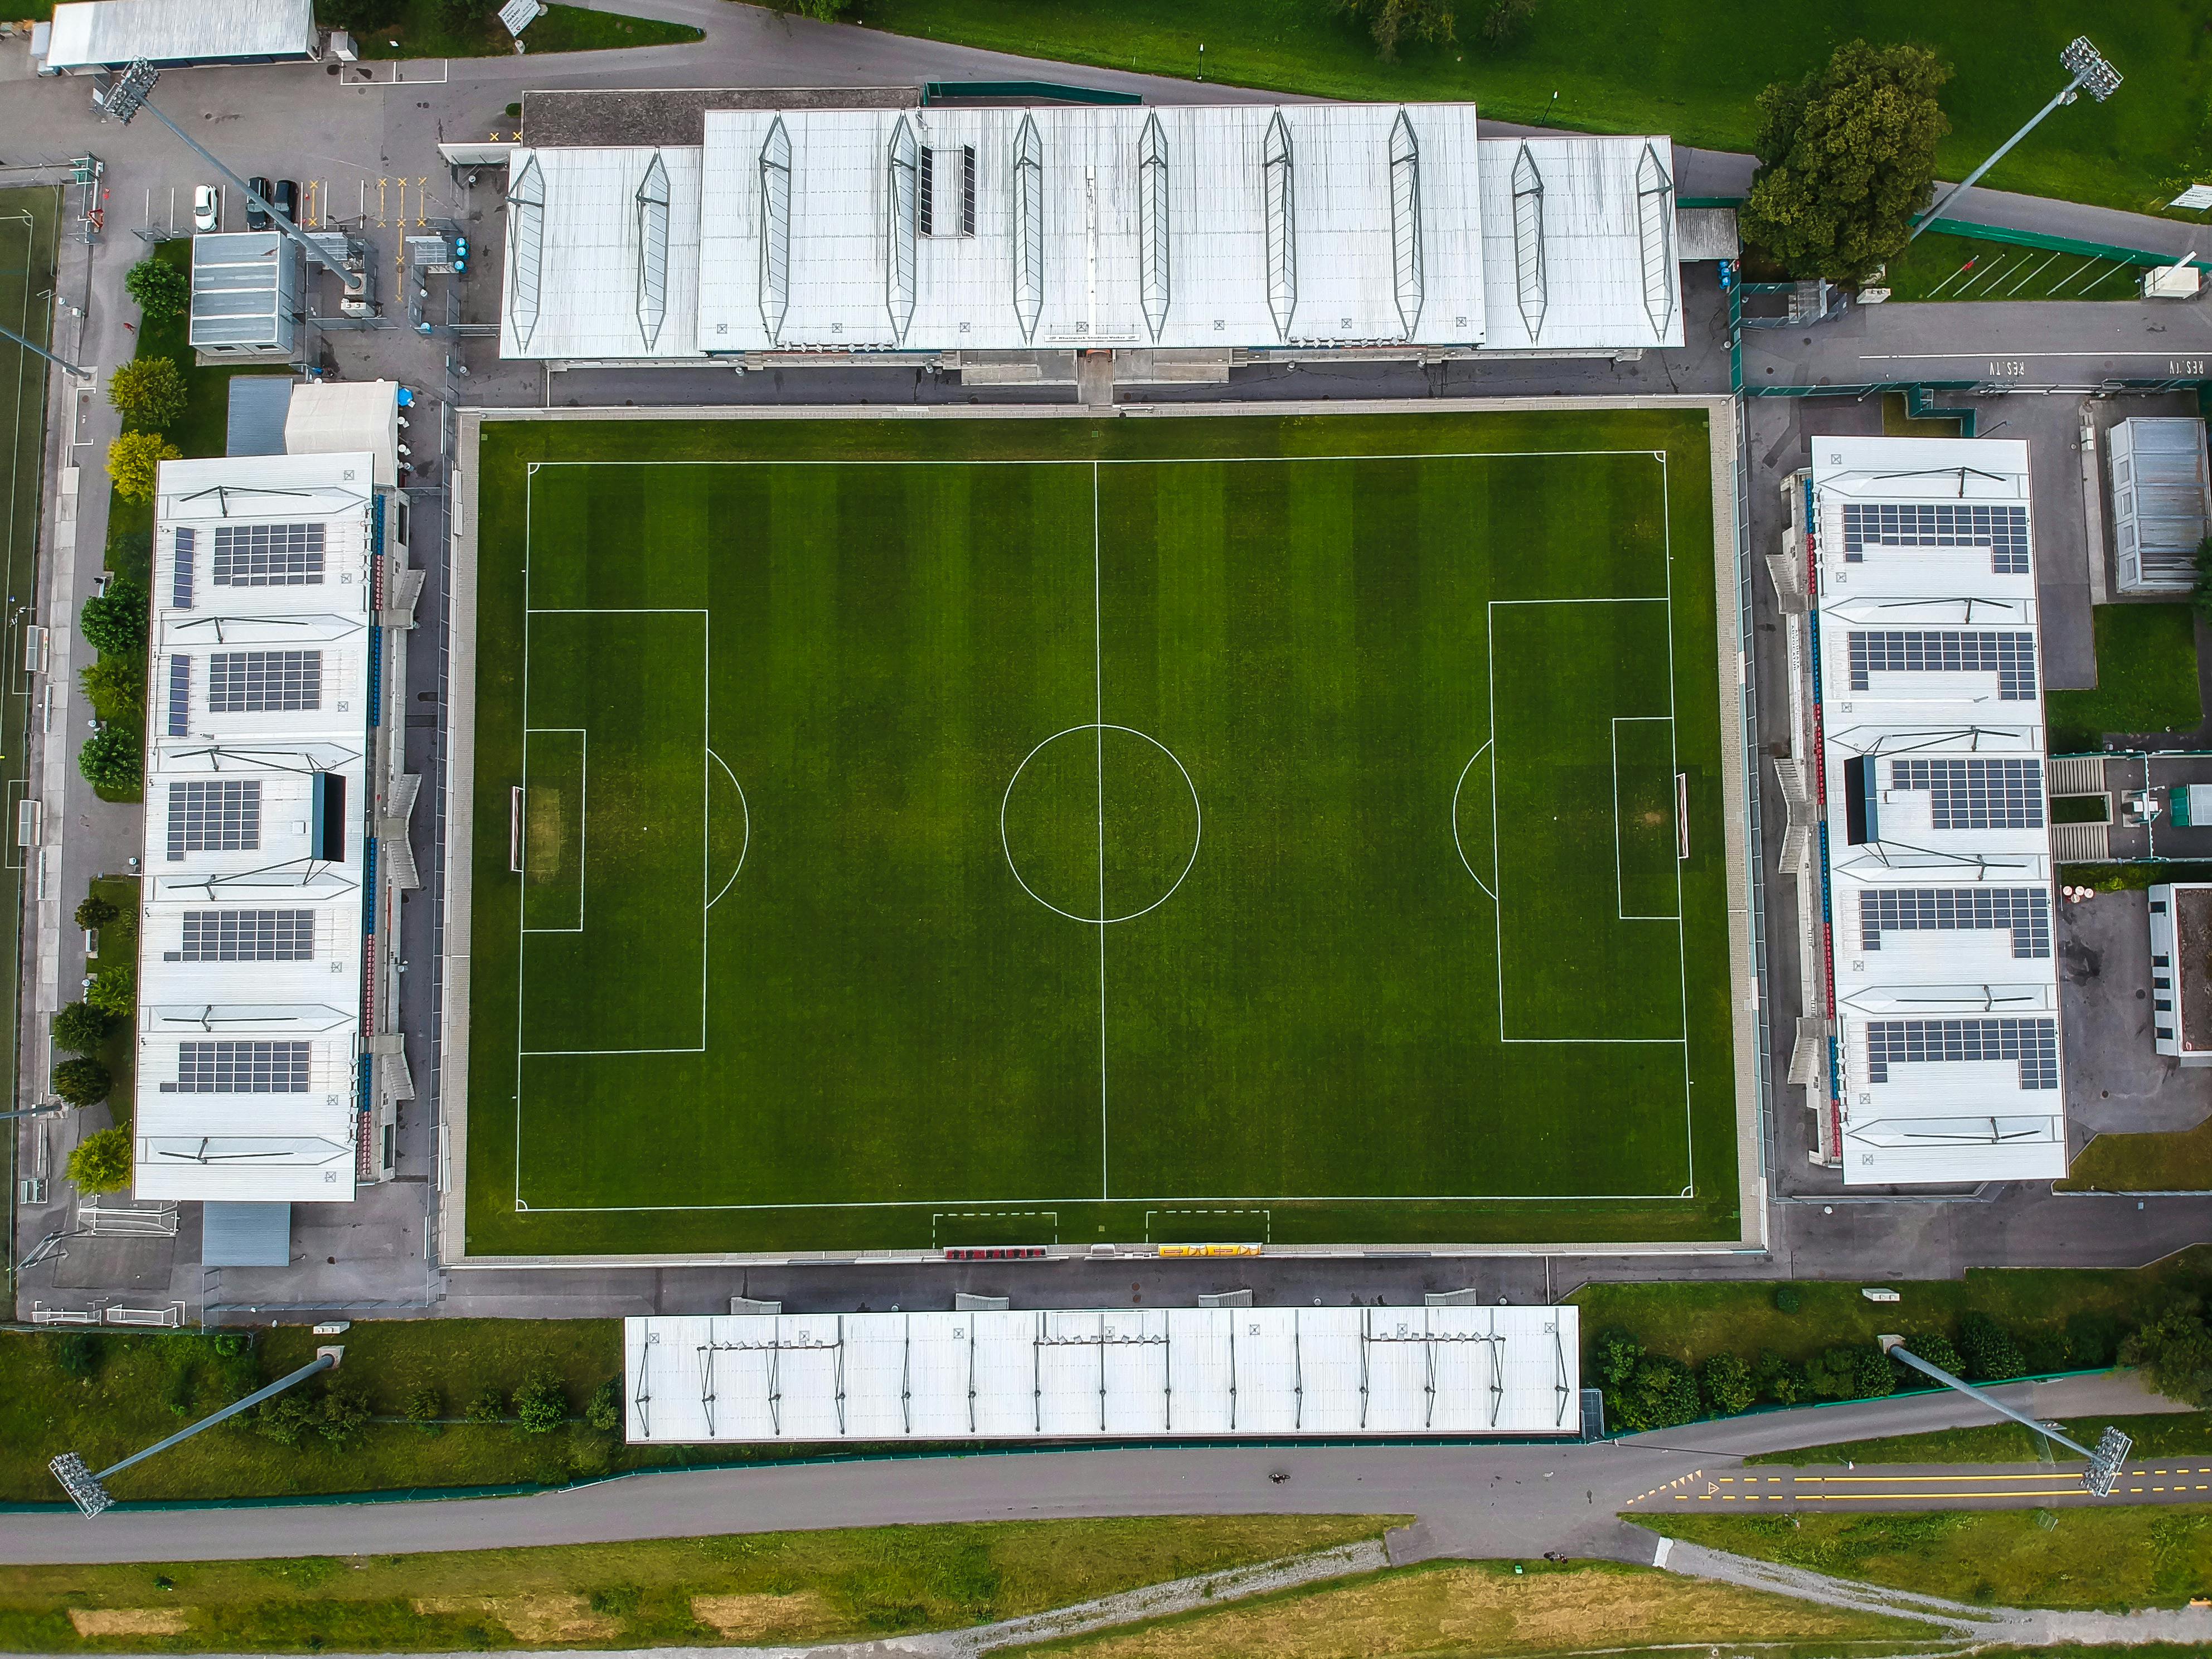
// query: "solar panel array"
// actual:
[[247, 936], [2025, 911], [241, 1068], [1975, 795], [268, 554], [220, 815], [2010, 656], [2003, 529], [180, 695], [180, 574], [252, 682], [2033, 1042]]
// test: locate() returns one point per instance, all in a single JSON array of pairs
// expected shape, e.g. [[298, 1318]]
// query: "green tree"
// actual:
[[1846, 157], [2176, 1350], [541, 1403], [603, 1411], [114, 990], [821, 11], [161, 290], [1391, 22], [425, 1405], [359, 18], [84, 1081], [1726, 1385], [1662, 1394], [80, 1028], [1614, 1356], [110, 760], [1831, 1374], [93, 911], [1872, 1374], [1936, 1349], [114, 622], [2200, 595], [1780, 1379], [116, 685], [79, 1353], [1505, 20], [1989, 1353], [1786, 1299], [134, 463], [488, 1406], [148, 392], [101, 1161]]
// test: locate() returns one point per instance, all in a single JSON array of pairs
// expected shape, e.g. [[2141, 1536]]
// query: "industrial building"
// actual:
[[2161, 502], [269, 1069], [846, 234], [1918, 825], [88, 36], [1147, 1373]]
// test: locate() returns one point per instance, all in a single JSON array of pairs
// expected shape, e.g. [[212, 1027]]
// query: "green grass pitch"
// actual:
[[1063, 831]]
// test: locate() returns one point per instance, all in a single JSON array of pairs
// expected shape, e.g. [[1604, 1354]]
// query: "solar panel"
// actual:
[[222, 815], [2003, 529], [180, 695], [255, 682], [247, 936], [180, 575], [268, 554], [1975, 795], [2010, 656], [2025, 911], [2033, 1042], [241, 1068]]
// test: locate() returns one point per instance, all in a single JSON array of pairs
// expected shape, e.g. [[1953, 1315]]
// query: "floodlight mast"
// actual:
[[2113, 1447], [132, 91], [88, 1492], [7, 333], [2092, 75]]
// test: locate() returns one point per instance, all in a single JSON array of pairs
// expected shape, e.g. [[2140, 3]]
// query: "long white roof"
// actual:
[[89, 33], [251, 943], [1946, 1059], [1051, 228], [1114, 1374]]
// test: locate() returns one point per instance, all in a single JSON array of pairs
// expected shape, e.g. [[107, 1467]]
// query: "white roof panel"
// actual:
[[91, 32], [593, 265]]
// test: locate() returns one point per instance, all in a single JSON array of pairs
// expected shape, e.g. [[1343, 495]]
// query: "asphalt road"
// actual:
[[1473, 1501]]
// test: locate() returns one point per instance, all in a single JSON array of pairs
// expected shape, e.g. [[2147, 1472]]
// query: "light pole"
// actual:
[[2113, 1447], [2092, 75], [132, 91], [59, 362], [87, 1491]]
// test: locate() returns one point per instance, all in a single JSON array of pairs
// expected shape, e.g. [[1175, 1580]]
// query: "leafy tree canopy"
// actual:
[[1432, 22], [148, 392], [101, 1161], [1846, 157], [110, 760], [114, 622], [134, 463], [162, 290], [80, 1028]]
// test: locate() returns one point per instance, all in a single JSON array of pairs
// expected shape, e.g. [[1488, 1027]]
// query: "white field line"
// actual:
[[1098, 732], [1619, 877], [583, 820], [1674, 757]]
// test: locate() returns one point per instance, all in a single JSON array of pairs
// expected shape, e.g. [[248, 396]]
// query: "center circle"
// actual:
[[1100, 823]]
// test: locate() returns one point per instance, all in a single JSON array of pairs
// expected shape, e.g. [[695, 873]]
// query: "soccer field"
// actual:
[[893, 834]]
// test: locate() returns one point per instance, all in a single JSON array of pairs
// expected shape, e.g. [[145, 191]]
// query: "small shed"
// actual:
[[342, 417], [2161, 502], [90, 36], [257, 406], [247, 295]]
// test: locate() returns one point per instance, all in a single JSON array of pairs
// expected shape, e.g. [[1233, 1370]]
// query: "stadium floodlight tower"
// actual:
[[131, 90], [60, 362], [88, 1492], [2091, 74], [2113, 1447]]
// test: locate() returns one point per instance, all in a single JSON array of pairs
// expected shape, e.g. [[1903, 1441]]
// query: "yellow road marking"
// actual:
[[1899, 1480], [1877, 1497]]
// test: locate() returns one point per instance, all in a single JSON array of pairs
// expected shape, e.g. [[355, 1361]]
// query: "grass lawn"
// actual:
[[1691, 71], [1938, 266], [2172, 1434], [785, 1587], [28, 235], [2127, 1556], [1492, 1608], [2175, 1163], [2146, 679], [2130, 878], [423, 31], [1899, 422], [2064, 1319], [845, 737]]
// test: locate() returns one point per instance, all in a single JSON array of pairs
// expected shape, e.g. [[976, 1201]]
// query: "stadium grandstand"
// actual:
[[1918, 834], [945, 233], [269, 1065]]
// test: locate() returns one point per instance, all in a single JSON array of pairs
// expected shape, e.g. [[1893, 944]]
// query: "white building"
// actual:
[[268, 1066], [1301, 228], [2161, 502], [87, 36], [1930, 1048], [1147, 1373]]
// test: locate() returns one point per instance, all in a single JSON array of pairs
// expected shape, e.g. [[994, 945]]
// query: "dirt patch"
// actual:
[[1481, 1610], [804, 1613], [534, 1620], [128, 1622]]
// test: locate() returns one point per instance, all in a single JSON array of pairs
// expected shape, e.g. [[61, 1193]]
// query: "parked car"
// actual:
[[207, 207], [255, 218], [286, 198]]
